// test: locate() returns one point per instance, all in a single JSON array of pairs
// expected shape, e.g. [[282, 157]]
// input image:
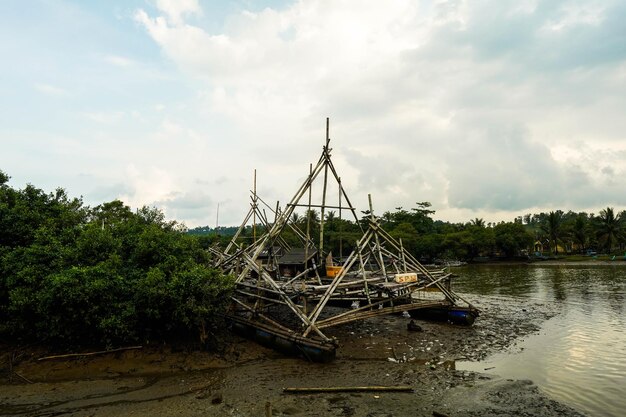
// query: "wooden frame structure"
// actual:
[[378, 278]]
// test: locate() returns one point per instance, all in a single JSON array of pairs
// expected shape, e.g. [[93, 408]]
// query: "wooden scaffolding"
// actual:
[[291, 312]]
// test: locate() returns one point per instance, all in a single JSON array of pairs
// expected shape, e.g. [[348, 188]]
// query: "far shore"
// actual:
[[590, 262], [556, 262]]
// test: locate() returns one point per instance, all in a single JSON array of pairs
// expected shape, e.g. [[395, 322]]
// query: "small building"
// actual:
[[296, 260]]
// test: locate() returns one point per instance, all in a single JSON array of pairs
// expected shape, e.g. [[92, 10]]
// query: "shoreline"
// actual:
[[242, 378], [549, 262]]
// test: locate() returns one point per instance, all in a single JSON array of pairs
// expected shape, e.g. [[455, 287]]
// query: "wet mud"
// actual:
[[245, 379]]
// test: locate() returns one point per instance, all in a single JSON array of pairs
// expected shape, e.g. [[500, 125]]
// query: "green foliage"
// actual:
[[468, 243], [106, 275], [419, 218], [609, 227], [579, 231], [4, 178], [511, 238], [552, 226]]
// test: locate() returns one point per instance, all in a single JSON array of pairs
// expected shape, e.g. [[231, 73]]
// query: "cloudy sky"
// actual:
[[484, 108]]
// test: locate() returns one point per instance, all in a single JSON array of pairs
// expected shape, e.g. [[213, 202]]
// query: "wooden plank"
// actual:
[[374, 388]]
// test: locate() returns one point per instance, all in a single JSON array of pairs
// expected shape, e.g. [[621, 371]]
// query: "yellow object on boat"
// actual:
[[333, 271]]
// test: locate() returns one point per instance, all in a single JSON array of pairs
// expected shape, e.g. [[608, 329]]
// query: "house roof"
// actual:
[[297, 256]]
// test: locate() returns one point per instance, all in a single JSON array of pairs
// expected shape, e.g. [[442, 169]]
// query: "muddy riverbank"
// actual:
[[245, 379]]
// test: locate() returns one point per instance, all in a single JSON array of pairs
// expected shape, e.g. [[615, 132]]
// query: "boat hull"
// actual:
[[451, 314], [288, 344]]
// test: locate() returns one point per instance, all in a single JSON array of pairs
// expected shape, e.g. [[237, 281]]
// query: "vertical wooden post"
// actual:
[[254, 209], [326, 161], [378, 248], [308, 218], [403, 257], [367, 290], [340, 223], [217, 218]]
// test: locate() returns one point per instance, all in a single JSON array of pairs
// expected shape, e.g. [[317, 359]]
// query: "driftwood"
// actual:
[[22, 377], [78, 355], [13, 359], [307, 390]]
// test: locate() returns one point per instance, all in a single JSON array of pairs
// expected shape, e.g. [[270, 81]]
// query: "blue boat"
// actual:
[[451, 314]]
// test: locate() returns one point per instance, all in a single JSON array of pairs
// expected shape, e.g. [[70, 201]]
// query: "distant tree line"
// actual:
[[207, 230], [554, 233], [71, 274]]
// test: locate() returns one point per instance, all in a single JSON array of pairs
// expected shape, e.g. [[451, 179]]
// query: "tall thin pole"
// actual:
[[308, 220], [340, 223], [254, 211], [378, 247], [326, 156], [217, 217]]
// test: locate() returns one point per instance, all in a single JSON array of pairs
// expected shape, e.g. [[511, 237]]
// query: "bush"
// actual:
[[74, 275]]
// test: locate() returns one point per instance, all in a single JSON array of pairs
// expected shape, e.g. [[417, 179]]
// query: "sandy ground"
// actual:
[[245, 379]]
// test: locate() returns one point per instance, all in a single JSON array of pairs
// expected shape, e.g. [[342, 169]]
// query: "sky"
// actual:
[[487, 108]]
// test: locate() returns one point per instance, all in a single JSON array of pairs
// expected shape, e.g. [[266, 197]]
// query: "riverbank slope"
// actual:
[[245, 379]]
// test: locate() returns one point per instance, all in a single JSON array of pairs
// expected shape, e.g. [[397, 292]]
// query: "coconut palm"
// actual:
[[478, 222], [296, 218], [579, 231], [609, 227], [552, 226]]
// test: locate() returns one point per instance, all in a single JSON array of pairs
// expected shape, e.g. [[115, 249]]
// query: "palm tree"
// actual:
[[552, 227], [478, 222], [609, 227], [580, 231], [296, 218]]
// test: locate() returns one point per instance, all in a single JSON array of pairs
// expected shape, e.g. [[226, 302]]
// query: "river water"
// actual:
[[579, 356]]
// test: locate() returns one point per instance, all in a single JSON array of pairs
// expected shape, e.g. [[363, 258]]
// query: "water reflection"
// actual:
[[558, 285], [578, 356]]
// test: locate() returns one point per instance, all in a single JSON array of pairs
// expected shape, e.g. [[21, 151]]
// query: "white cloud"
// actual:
[[491, 107], [176, 10], [147, 185], [118, 61], [105, 117], [51, 90], [468, 105]]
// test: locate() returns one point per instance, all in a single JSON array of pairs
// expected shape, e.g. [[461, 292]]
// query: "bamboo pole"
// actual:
[[241, 227], [363, 272], [326, 206], [403, 257], [262, 316], [362, 315], [268, 279], [344, 270], [254, 211], [374, 388], [308, 218], [377, 240], [322, 209], [294, 228], [345, 195], [278, 227], [340, 222], [78, 355], [450, 295]]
